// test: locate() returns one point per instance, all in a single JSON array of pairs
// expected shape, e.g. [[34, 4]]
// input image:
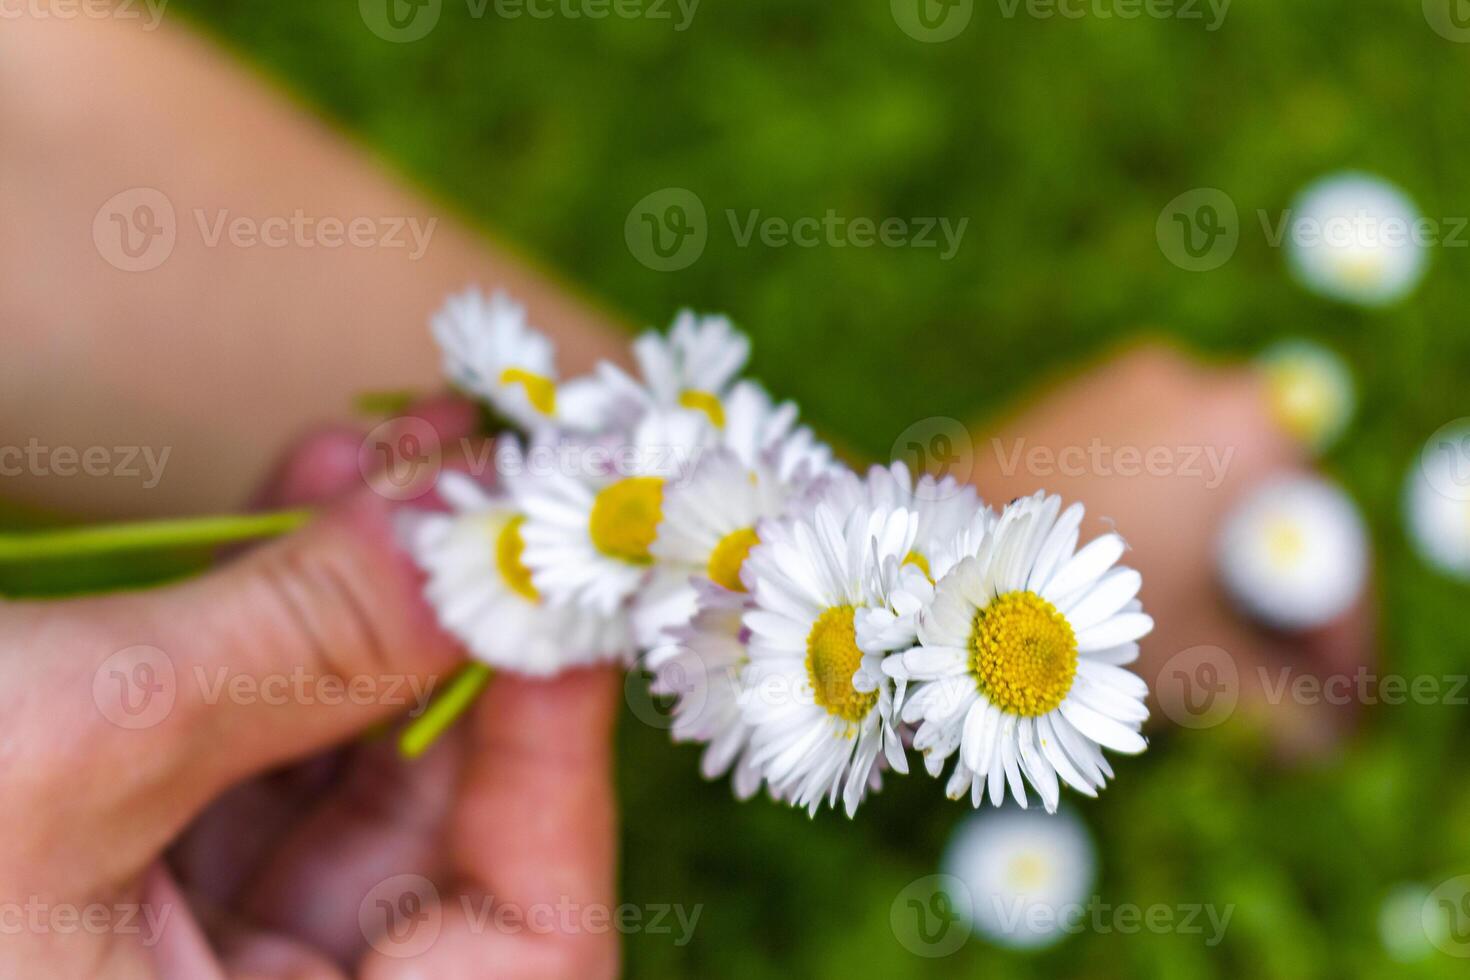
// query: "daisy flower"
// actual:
[[1311, 391], [1294, 553], [1020, 658], [700, 665], [1437, 503], [1353, 237], [693, 367], [761, 432], [483, 593], [1023, 873], [820, 708], [492, 352], [592, 517]]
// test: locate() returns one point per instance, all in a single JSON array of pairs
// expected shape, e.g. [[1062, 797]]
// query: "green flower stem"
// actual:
[[72, 542], [444, 710]]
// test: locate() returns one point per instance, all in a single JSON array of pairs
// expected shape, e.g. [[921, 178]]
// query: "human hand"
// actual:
[[129, 716], [1214, 440]]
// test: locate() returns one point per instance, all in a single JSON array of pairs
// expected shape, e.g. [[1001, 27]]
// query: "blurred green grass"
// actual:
[[1060, 141]]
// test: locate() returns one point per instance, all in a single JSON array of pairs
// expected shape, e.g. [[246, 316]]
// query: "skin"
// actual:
[[262, 829]]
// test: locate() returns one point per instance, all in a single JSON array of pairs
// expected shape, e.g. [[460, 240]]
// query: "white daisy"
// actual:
[[952, 524], [1437, 503], [491, 351], [591, 518], [1355, 237], [700, 665], [1310, 389], [761, 432], [1294, 553], [820, 708], [1020, 660], [693, 367], [483, 593], [1028, 875]]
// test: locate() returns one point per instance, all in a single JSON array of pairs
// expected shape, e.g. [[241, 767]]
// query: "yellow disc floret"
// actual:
[[540, 391], [508, 548], [729, 556], [832, 657], [703, 401], [625, 518], [1023, 654], [917, 560]]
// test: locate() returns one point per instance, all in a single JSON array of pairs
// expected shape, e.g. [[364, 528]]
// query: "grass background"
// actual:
[[1060, 140]]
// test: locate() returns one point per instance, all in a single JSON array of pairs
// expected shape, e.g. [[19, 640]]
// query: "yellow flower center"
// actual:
[[1023, 654], [540, 391], [703, 401], [508, 548], [729, 557], [832, 657], [921, 563], [1304, 404], [1027, 872], [1285, 543], [625, 518]]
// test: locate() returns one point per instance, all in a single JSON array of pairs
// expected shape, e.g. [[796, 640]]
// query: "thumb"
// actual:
[[296, 646]]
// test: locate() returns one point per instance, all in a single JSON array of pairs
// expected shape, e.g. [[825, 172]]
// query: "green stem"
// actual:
[[70, 542], [444, 710]]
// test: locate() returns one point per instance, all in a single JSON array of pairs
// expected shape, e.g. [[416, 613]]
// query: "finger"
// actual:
[[385, 818], [297, 646], [532, 837]]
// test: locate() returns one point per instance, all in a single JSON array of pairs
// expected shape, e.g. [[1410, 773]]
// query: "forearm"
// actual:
[[262, 317]]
